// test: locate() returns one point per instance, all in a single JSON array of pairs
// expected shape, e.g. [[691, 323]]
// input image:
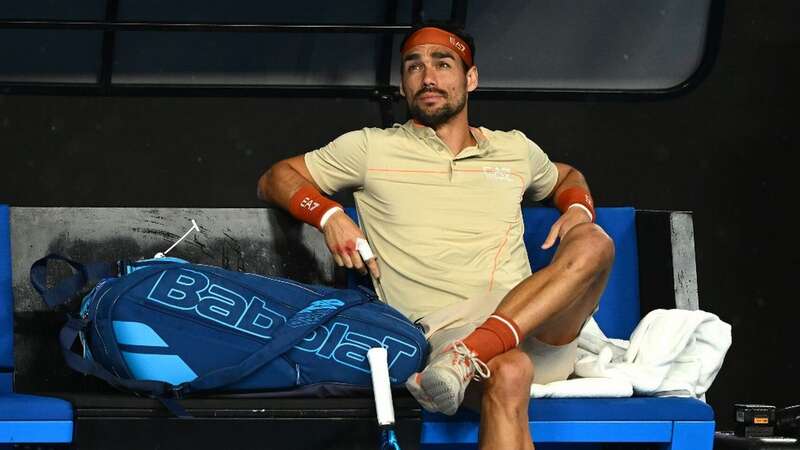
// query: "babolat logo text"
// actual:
[[194, 293], [313, 312]]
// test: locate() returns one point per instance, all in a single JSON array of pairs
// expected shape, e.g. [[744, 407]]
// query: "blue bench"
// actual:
[[667, 422], [670, 423], [23, 418]]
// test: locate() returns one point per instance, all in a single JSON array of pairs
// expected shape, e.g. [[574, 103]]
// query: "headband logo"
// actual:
[[458, 44]]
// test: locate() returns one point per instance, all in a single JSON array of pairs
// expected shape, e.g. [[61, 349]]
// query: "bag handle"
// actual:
[[60, 294], [68, 287]]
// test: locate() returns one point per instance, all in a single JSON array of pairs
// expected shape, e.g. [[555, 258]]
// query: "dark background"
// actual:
[[724, 150]]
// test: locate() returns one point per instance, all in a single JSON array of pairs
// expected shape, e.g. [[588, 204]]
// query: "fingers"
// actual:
[[347, 256], [365, 251], [349, 248], [560, 228], [342, 256], [358, 264], [552, 235], [347, 253], [357, 256], [372, 265], [338, 259]]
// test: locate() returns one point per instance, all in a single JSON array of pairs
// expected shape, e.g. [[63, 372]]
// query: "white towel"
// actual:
[[671, 353], [583, 387]]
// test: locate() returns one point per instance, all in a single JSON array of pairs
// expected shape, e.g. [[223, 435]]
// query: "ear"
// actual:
[[472, 78], [402, 91]]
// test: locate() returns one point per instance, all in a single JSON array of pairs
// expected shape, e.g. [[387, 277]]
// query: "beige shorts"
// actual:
[[456, 321]]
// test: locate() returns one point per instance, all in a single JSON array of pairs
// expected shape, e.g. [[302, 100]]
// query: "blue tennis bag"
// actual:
[[167, 328]]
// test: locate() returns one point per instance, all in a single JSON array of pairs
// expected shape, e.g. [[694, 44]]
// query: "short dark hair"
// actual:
[[458, 31]]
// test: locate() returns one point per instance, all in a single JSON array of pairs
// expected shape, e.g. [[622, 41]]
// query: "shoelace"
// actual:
[[481, 369]]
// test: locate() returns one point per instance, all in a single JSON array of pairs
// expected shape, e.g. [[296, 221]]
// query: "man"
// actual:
[[439, 202]]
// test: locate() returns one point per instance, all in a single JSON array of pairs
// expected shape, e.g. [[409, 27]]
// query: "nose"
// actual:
[[428, 76]]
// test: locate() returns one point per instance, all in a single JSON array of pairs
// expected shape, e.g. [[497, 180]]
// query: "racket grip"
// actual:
[[379, 368]]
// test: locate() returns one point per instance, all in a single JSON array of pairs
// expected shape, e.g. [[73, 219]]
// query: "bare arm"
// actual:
[[568, 177], [282, 180], [277, 186]]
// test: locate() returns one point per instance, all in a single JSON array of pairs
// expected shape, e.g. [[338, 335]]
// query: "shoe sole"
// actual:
[[444, 391]]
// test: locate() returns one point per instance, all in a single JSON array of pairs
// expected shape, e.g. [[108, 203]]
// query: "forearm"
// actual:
[[278, 184], [289, 185]]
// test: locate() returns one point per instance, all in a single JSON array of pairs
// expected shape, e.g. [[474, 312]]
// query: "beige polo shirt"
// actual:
[[444, 228]]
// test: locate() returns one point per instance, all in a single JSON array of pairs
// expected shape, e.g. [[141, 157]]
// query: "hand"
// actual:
[[341, 234], [570, 218]]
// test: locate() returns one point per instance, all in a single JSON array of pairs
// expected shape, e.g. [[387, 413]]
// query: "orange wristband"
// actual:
[[309, 206], [575, 196]]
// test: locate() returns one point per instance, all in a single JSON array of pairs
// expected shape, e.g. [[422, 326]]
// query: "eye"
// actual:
[[413, 67], [444, 65]]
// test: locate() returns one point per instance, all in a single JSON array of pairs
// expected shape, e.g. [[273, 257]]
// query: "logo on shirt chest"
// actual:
[[497, 173]]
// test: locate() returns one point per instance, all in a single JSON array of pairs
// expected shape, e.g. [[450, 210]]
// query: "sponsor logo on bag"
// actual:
[[314, 312], [194, 293]]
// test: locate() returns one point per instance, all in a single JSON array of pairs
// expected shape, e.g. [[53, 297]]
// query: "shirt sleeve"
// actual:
[[544, 173], [340, 164]]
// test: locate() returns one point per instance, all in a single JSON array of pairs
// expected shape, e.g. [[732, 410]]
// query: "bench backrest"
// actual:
[[619, 304], [6, 305], [268, 241]]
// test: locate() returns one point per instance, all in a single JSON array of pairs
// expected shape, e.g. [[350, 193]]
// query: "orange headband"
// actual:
[[431, 35]]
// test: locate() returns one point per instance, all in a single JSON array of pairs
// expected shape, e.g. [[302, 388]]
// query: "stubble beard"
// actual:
[[435, 118]]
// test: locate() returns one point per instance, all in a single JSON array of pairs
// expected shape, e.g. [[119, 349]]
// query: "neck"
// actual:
[[455, 133]]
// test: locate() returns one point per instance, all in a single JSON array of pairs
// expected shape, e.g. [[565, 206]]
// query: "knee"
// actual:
[[596, 253], [512, 375]]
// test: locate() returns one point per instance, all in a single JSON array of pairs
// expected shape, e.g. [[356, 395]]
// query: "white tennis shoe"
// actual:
[[440, 386]]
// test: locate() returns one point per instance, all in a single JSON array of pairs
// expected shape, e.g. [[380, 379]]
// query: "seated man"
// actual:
[[439, 202]]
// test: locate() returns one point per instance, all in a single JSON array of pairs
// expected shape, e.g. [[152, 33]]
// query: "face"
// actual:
[[434, 84]]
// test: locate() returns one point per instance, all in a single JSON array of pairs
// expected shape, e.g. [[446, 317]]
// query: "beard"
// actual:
[[435, 117]]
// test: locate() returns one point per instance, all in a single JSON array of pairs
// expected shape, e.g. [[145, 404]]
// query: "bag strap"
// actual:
[[68, 287], [283, 339]]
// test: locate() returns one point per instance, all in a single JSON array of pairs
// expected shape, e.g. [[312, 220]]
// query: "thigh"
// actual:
[[460, 316]]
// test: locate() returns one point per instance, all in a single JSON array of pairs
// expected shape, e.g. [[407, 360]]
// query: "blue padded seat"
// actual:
[[617, 409], [604, 409], [673, 423], [20, 407], [23, 418]]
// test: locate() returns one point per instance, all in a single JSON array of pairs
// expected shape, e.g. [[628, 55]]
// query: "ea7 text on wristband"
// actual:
[[311, 207]]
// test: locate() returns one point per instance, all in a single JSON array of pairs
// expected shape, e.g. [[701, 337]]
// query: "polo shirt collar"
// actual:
[[426, 133]]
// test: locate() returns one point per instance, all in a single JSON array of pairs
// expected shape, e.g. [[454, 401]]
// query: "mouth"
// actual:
[[430, 97], [429, 92]]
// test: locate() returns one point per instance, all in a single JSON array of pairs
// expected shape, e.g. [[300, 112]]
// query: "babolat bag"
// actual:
[[167, 328]]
